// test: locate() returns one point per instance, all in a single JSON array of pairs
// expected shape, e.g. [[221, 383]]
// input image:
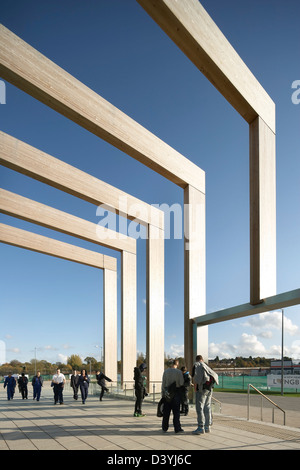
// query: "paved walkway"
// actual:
[[109, 425]]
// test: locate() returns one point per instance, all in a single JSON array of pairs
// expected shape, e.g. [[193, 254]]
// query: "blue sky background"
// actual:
[[117, 50]]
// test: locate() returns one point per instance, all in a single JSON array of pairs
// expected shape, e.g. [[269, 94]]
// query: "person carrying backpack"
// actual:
[[204, 379]]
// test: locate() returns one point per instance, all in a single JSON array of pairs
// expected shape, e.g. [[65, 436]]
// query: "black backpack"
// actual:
[[209, 384]]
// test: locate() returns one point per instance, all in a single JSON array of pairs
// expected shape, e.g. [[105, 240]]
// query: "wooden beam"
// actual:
[[29, 70], [128, 319], [110, 324], [188, 24], [49, 246], [262, 211], [155, 305], [26, 209], [195, 33], [24, 158], [275, 302], [194, 273], [32, 211]]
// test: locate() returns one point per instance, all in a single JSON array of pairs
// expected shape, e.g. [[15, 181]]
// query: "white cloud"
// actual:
[[262, 323], [176, 350], [266, 334], [251, 346], [223, 350], [248, 345], [14, 350], [48, 347], [62, 358], [295, 349]]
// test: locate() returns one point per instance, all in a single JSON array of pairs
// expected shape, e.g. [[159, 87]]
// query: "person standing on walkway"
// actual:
[[140, 391], [58, 381], [203, 378], [74, 384], [171, 388], [100, 377], [83, 383], [10, 383], [37, 383], [22, 383], [185, 391]]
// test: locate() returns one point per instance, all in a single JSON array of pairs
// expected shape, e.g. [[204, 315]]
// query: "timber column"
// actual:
[[195, 338], [110, 323], [155, 306]]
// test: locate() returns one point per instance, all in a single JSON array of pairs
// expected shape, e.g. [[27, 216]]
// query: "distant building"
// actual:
[[289, 367]]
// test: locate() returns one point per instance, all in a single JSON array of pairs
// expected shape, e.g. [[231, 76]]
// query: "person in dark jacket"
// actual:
[[185, 391], [74, 384], [100, 377], [22, 383], [140, 391], [83, 383], [37, 383], [10, 383]]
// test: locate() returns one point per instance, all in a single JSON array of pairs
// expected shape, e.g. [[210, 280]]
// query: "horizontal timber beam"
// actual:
[[28, 160], [188, 24], [26, 209], [32, 72], [276, 302], [48, 246]]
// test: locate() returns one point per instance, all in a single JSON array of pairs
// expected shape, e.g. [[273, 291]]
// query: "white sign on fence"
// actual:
[[289, 381]]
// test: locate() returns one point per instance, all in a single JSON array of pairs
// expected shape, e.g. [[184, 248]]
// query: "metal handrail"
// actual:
[[262, 396], [219, 403]]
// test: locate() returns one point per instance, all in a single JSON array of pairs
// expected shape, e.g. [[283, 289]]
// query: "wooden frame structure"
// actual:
[[27, 160], [26, 68], [191, 28], [31, 241], [26, 209], [188, 24]]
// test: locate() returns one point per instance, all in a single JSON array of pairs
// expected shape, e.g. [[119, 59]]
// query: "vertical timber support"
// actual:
[[195, 338], [155, 305], [262, 211], [110, 323], [129, 322]]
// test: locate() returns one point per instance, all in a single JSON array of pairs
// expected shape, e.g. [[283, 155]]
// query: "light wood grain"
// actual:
[[28, 69], [196, 34]]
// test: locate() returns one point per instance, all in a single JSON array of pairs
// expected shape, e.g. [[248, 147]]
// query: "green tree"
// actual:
[[75, 361]]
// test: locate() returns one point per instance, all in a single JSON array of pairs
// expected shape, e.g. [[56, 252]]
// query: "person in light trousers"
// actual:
[[202, 374]]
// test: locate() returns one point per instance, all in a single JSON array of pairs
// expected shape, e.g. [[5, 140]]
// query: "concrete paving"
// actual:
[[110, 425]]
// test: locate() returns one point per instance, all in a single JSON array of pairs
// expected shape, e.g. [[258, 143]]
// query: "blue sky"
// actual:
[[116, 49]]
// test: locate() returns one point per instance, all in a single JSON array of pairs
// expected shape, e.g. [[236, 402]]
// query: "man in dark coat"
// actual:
[[74, 384], [100, 377], [10, 383], [22, 383], [185, 391], [140, 391], [37, 383]]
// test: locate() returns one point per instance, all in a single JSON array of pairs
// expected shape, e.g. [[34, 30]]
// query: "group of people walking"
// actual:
[[174, 390], [79, 381], [10, 384]]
